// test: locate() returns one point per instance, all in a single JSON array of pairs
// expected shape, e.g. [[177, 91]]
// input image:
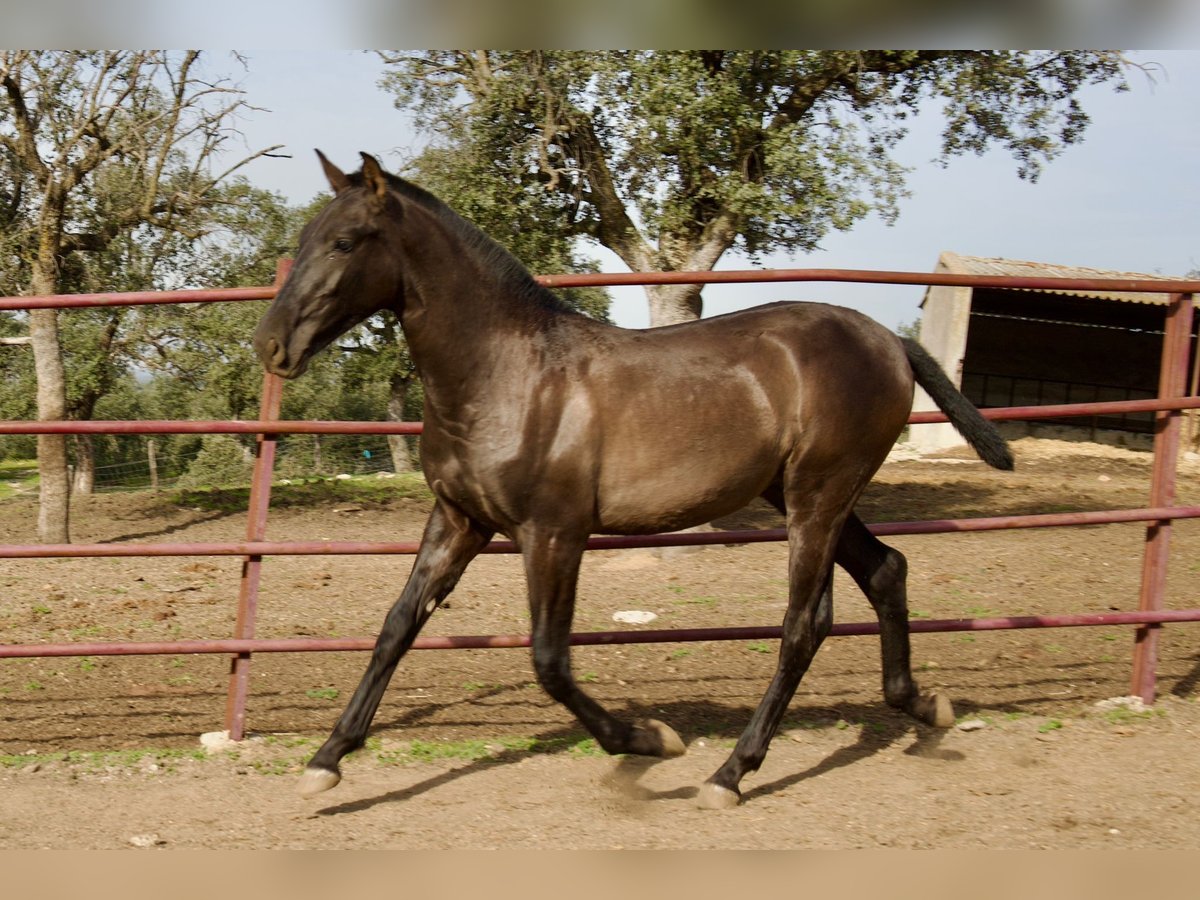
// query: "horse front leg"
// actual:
[[552, 571], [450, 542]]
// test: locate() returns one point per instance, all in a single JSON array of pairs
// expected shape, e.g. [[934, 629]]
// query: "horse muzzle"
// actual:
[[274, 356]]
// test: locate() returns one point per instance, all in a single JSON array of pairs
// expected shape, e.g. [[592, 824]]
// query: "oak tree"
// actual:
[[94, 146], [672, 158]]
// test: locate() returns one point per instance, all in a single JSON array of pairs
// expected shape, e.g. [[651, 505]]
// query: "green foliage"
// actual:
[[137, 200], [670, 158], [222, 460]]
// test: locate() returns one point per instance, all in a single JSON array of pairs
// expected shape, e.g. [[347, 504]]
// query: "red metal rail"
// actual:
[[590, 638], [1160, 513], [317, 426], [613, 279], [601, 542]]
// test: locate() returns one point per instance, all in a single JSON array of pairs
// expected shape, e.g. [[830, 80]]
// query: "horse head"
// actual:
[[344, 271]]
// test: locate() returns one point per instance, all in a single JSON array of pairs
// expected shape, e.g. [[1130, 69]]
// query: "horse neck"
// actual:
[[463, 316]]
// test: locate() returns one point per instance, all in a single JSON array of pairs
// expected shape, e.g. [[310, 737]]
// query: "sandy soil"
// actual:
[[467, 752]]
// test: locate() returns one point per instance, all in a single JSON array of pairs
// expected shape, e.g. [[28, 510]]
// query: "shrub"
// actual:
[[222, 460]]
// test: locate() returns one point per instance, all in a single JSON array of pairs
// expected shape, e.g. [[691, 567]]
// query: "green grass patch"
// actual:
[[290, 752], [100, 760], [17, 476], [322, 693], [479, 750], [296, 741], [699, 601], [1123, 715]]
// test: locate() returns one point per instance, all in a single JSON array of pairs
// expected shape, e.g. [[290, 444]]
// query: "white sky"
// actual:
[[1126, 199]]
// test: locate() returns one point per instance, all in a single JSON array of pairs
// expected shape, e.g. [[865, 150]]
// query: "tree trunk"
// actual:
[[54, 492], [671, 304], [402, 460], [152, 460], [85, 465]]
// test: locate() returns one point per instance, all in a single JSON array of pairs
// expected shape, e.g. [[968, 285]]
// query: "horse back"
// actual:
[[704, 416]]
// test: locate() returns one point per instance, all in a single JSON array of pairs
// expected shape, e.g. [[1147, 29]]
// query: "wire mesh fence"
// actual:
[[299, 458]]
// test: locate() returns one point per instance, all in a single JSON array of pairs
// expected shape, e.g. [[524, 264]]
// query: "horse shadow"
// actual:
[[883, 728]]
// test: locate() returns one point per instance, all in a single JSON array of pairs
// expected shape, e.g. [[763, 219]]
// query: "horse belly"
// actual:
[[672, 477]]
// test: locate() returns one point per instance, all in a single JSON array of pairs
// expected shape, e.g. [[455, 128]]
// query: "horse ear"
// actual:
[[375, 177], [337, 178]]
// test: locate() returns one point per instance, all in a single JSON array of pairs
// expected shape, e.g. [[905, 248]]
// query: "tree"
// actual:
[[671, 158], [95, 146]]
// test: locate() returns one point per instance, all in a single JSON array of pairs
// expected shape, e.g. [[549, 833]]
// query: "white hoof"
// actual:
[[672, 745], [934, 709], [713, 796], [316, 781]]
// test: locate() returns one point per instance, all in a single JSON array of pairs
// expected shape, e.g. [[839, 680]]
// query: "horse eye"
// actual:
[[343, 245]]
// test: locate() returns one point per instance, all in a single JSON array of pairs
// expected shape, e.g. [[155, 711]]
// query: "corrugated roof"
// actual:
[[959, 264]]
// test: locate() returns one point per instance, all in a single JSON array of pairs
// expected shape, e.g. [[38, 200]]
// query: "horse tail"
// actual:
[[981, 434]]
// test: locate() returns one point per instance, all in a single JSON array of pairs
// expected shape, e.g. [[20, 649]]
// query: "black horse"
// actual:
[[547, 426]]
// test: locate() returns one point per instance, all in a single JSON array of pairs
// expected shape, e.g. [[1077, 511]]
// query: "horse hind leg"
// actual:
[[552, 570], [881, 571], [807, 623]]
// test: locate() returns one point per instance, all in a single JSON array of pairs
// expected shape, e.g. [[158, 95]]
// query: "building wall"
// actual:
[[1012, 358], [945, 319]]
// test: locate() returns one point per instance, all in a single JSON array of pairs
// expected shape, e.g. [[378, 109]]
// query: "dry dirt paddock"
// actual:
[[104, 752]]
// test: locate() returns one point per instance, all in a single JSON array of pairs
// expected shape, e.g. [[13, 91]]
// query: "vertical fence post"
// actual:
[[1168, 424], [256, 528]]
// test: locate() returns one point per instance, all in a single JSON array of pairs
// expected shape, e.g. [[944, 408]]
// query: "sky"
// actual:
[[1126, 199]]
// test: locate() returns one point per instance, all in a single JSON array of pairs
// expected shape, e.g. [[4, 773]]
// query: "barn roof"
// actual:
[[959, 264]]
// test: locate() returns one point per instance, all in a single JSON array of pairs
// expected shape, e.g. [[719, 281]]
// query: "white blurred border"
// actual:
[[413, 24]]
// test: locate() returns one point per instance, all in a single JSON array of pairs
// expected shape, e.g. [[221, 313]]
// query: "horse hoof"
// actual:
[[934, 709], [315, 781], [668, 741], [713, 796]]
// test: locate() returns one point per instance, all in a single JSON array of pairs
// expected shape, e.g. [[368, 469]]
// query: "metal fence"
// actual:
[[1159, 512]]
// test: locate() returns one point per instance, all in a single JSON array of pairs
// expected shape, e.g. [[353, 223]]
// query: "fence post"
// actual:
[[256, 528], [1177, 336]]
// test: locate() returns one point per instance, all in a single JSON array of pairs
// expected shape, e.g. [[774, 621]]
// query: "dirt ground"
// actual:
[[104, 752]]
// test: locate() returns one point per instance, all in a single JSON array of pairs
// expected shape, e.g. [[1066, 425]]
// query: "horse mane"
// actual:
[[510, 271]]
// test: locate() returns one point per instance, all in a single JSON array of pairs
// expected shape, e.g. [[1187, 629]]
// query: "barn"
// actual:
[[1009, 347]]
